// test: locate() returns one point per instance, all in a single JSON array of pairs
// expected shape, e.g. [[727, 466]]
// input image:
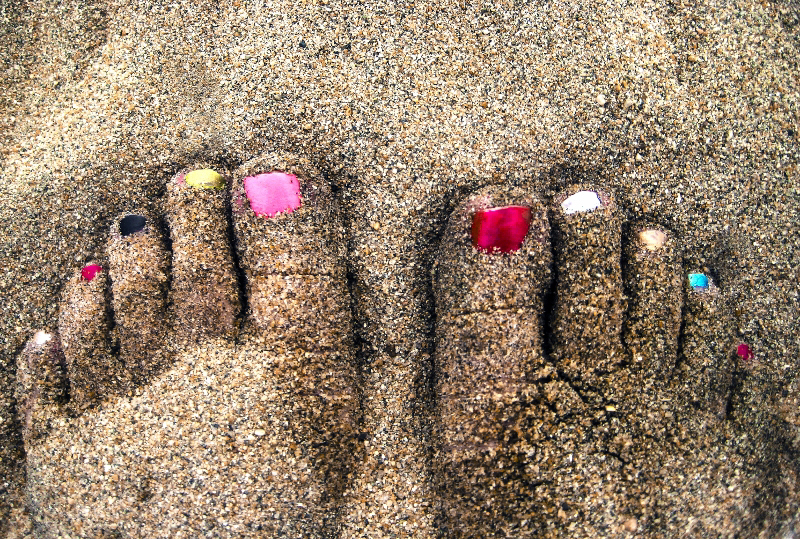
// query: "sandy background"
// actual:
[[687, 110]]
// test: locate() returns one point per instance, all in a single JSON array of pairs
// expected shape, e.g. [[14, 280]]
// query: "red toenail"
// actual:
[[500, 230], [90, 272], [744, 352], [272, 193]]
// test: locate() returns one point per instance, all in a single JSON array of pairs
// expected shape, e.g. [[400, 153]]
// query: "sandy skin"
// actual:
[[688, 115]]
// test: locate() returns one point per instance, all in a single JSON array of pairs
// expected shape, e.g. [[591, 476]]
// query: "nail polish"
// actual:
[[500, 230]]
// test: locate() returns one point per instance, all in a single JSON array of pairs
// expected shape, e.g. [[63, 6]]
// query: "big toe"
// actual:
[[291, 246], [497, 396]]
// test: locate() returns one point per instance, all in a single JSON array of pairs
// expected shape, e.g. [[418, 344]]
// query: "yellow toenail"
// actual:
[[652, 239], [204, 179]]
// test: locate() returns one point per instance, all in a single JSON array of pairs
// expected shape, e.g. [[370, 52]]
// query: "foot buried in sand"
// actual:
[[201, 396], [217, 395], [517, 385]]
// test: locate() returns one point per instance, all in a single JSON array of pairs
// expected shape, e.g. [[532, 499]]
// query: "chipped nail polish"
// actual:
[[744, 352], [131, 224], [90, 272], [500, 230], [582, 201], [698, 281], [652, 239], [273, 193], [204, 179]]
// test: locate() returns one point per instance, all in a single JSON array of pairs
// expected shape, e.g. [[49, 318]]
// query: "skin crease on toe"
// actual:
[[685, 113]]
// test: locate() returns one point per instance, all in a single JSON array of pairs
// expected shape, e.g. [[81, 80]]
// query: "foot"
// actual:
[[573, 356], [157, 410]]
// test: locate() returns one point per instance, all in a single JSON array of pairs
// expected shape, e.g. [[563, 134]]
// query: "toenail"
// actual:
[[130, 224], [273, 193], [652, 239], [90, 272], [41, 338], [582, 201], [744, 352], [500, 230], [204, 179], [698, 281]]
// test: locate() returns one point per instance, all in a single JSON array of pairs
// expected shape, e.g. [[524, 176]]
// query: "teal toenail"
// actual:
[[698, 281]]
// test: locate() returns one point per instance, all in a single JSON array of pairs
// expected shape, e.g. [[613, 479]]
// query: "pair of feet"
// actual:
[[250, 424]]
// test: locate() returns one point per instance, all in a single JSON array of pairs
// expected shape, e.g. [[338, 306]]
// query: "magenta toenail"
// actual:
[[744, 352], [272, 193], [500, 230], [90, 272]]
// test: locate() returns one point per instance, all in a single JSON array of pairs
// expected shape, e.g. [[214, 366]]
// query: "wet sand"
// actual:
[[688, 113]]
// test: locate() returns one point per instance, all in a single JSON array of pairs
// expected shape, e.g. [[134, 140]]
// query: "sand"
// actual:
[[688, 113]]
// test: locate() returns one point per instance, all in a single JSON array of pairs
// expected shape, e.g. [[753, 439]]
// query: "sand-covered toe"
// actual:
[[705, 365], [291, 246], [41, 386], [653, 279], [204, 288], [139, 270], [491, 273], [84, 325], [587, 319]]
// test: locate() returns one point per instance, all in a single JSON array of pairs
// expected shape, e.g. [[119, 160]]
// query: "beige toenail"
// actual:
[[652, 239]]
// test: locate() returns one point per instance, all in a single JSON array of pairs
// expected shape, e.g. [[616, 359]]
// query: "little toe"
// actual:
[[493, 268], [204, 288], [587, 319], [653, 280], [41, 386], [139, 271], [84, 327], [705, 366]]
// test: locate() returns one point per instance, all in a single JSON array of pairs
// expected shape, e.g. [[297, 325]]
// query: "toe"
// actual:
[[41, 388], [291, 246], [84, 328], [139, 271], [204, 288], [653, 283], [705, 366], [588, 313], [492, 270]]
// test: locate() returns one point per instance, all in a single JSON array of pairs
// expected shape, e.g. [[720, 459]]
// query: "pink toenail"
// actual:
[[500, 230], [272, 193], [744, 352], [90, 272]]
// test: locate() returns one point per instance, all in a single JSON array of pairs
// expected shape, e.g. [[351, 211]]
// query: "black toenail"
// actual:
[[130, 224]]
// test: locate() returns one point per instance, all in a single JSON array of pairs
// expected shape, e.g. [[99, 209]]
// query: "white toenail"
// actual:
[[581, 201], [41, 337], [652, 239]]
